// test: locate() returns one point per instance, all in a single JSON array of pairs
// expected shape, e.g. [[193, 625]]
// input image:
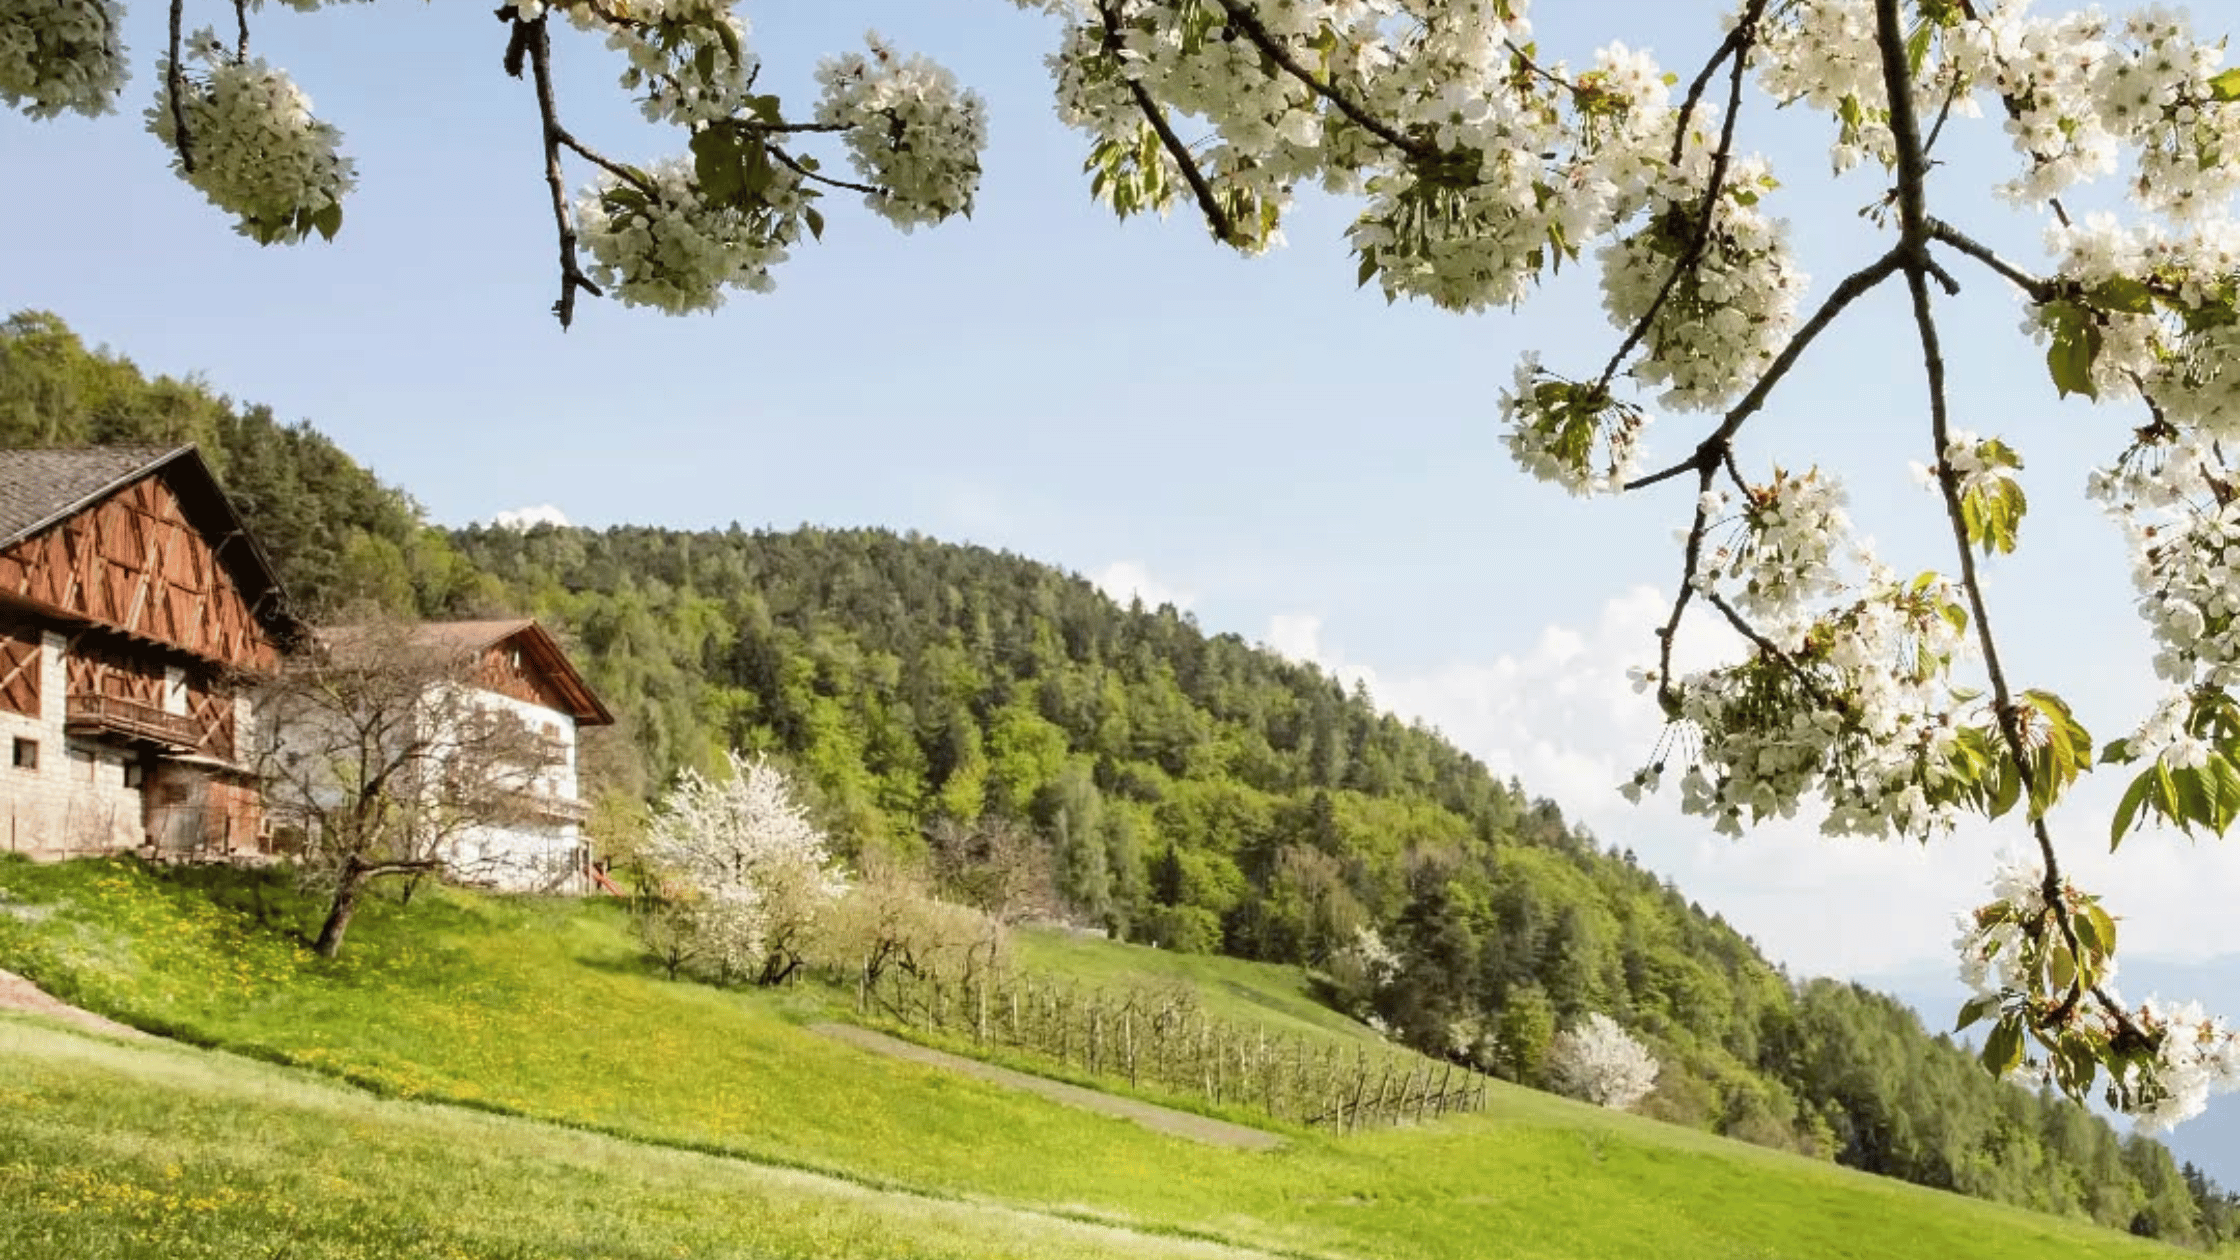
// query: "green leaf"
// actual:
[[815, 219], [2076, 343], [2002, 1050], [716, 165], [328, 220], [2061, 968], [2064, 753], [1975, 1009], [2122, 295], [2127, 810], [2103, 927], [2226, 86]]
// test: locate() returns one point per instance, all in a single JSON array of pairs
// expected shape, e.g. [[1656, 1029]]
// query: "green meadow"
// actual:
[[479, 1077]]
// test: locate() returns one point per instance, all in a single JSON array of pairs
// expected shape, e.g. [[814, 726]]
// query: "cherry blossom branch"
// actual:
[[1242, 19], [1736, 46], [1714, 448], [1217, 218], [1916, 230], [241, 25]]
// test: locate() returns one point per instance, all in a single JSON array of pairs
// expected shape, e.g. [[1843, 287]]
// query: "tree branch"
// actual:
[[1243, 19], [1224, 228], [2039, 290], [176, 83], [1736, 46], [819, 176], [1714, 448], [534, 38]]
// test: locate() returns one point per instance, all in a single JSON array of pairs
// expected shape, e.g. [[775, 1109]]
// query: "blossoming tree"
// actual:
[[1479, 164], [1600, 1062], [745, 875]]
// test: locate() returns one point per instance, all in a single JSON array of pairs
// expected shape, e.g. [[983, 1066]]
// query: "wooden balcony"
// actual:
[[551, 808], [108, 717]]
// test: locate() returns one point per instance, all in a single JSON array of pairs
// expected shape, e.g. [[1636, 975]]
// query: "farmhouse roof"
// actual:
[[41, 487], [462, 639]]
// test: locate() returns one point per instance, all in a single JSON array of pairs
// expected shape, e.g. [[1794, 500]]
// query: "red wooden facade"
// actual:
[[20, 675], [133, 562]]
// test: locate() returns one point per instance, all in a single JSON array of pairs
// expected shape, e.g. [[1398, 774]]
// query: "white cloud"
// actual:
[[1297, 636], [1124, 580], [529, 517], [1561, 714]]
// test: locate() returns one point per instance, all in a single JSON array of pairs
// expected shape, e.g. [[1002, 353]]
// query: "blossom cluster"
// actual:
[[1573, 434], [58, 55], [665, 244], [1782, 560], [2082, 88], [2015, 958], [688, 58], [258, 153], [1859, 706], [1994, 946], [1718, 324], [2195, 1057], [2174, 503], [912, 133]]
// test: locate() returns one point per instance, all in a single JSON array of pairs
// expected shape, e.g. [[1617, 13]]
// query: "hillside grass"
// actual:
[[545, 1010], [114, 1150]]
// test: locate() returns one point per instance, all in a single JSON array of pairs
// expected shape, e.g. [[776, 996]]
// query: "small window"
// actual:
[[27, 754], [135, 774]]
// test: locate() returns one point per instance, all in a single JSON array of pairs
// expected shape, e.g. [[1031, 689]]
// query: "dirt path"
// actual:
[[19, 994], [1149, 1115]]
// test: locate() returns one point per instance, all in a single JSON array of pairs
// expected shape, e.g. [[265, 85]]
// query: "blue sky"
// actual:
[[1290, 457]]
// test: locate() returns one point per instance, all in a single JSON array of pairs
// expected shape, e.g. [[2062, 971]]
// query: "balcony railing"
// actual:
[[107, 715]]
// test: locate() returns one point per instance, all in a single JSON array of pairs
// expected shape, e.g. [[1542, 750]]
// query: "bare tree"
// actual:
[[380, 750], [995, 865]]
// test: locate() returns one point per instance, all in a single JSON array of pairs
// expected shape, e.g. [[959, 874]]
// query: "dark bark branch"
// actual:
[[1917, 230], [1736, 46], [819, 176], [1224, 228], [537, 40], [2039, 290], [1715, 447], [176, 84], [241, 27], [1245, 21]]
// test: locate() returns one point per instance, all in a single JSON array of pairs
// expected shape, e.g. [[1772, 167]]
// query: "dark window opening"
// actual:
[[27, 754]]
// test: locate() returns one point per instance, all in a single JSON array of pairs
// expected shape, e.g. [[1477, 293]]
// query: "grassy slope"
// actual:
[[111, 1150], [542, 1010]]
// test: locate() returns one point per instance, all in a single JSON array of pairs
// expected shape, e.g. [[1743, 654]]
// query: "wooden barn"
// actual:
[[132, 605]]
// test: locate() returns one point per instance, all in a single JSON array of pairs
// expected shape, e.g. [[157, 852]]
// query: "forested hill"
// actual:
[[1187, 789]]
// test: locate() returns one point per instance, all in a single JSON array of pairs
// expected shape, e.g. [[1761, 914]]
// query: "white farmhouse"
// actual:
[[516, 670]]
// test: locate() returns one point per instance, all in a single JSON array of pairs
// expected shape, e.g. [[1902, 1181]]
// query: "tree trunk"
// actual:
[[346, 895]]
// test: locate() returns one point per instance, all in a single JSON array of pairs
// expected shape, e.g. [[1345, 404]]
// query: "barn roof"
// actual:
[[40, 488]]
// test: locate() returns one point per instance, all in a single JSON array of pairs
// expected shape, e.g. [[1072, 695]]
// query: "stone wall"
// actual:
[[74, 799]]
